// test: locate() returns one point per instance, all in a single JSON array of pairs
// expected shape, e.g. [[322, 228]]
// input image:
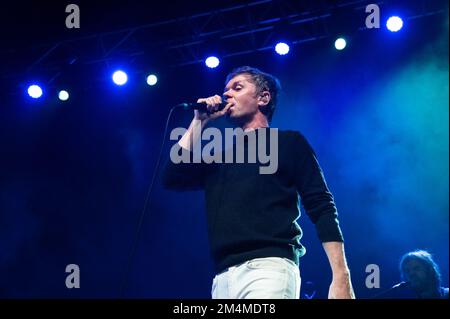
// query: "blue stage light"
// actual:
[[119, 77], [340, 44], [34, 91], [212, 62], [152, 79], [63, 95], [394, 23], [282, 48]]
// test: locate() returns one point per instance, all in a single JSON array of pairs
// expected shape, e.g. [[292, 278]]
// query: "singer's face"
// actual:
[[242, 93]]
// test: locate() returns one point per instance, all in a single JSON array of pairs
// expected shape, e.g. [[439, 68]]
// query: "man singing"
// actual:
[[252, 228]]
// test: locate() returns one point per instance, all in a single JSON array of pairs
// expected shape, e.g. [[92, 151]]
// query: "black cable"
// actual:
[[147, 200]]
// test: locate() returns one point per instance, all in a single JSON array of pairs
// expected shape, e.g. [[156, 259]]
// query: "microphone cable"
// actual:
[[146, 203]]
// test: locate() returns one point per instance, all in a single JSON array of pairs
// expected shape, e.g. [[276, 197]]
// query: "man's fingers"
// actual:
[[212, 103], [225, 109]]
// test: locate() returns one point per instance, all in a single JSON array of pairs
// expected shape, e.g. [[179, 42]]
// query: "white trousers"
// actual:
[[260, 278]]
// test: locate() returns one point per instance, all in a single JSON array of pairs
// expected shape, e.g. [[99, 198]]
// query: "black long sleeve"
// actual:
[[252, 215], [314, 193]]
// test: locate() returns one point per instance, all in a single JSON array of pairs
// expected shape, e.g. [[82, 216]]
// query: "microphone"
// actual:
[[390, 290], [200, 106]]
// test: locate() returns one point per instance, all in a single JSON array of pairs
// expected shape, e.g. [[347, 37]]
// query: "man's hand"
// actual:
[[341, 288], [212, 105], [193, 135]]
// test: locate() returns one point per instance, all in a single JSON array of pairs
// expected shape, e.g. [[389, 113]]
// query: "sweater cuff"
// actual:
[[328, 229]]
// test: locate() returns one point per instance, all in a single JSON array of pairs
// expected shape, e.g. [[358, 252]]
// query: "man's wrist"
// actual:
[[341, 275]]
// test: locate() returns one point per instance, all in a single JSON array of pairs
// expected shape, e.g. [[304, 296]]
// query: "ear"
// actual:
[[264, 98]]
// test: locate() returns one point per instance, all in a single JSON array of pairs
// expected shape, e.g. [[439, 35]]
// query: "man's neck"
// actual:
[[255, 124]]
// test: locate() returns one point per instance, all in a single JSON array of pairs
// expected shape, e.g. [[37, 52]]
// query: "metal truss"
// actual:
[[230, 31]]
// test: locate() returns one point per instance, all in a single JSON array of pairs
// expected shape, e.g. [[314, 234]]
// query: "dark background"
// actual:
[[74, 175]]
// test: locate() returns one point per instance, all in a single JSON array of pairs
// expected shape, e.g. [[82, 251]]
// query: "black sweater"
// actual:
[[252, 215]]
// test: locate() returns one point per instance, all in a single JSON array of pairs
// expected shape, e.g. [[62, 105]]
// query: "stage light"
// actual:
[[35, 91], [63, 95], [152, 79], [340, 44], [394, 24], [212, 62], [282, 48], [119, 77]]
